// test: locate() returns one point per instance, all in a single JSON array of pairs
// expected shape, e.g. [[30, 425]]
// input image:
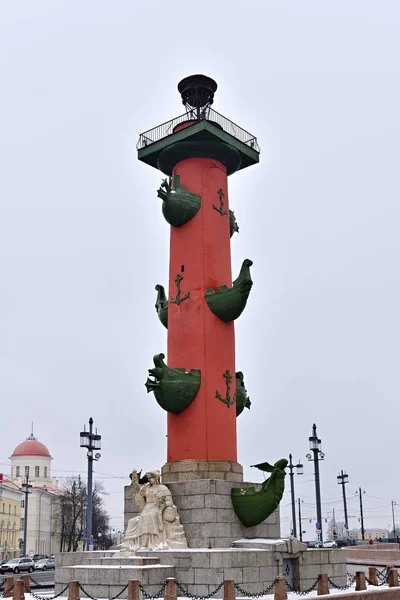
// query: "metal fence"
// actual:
[[165, 129]]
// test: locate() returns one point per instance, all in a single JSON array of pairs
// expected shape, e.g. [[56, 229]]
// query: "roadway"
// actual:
[[44, 578]]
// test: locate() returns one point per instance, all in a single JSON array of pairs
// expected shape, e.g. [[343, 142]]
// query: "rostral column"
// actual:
[[198, 384]]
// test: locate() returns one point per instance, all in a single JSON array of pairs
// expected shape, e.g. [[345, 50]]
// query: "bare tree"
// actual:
[[71, 513], [396, 533], [336, 529], [101, 518]]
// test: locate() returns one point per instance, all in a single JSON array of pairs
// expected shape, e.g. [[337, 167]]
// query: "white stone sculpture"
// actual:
[[157, 527]]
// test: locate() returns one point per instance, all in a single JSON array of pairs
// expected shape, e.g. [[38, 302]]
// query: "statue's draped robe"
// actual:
[[147, 530]]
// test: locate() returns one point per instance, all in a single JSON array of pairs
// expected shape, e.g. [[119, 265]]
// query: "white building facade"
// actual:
[[31, 462]]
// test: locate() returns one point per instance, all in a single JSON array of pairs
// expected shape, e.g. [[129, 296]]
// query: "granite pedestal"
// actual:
[[206, 513], [220, 546], [200, 571]]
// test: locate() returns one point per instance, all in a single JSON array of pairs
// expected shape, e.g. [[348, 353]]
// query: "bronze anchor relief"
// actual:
[[227, 400], [220, 209], [178, 299]]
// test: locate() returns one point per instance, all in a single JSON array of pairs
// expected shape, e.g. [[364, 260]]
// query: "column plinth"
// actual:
[[188, 470]]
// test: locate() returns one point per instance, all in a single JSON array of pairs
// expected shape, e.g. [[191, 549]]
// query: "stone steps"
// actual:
[[135, 561], [199, 571], [178, 537], [107, 580]]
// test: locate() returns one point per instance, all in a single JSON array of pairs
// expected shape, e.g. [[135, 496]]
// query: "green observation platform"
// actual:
[[199, 132]]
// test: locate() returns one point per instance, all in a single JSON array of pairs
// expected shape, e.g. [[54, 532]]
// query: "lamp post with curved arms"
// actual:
[[26, 487], [299, 469], [342, 479], [360, 493], [316, 456]]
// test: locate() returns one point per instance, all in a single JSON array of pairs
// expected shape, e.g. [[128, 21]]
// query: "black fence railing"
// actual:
[[208, 114]]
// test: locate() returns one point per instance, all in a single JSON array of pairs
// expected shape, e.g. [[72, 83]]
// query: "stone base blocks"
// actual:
[[200, 571], [229, 590], [189, 470], [104, 573], [220, 548], [311, 563], [206, 513]]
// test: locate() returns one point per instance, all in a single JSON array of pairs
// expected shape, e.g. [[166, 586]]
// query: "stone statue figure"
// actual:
[[157, 527]]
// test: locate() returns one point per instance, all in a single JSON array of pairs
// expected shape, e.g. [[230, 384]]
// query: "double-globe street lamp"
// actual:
[[316, 456], [299, 470], [91, 441]]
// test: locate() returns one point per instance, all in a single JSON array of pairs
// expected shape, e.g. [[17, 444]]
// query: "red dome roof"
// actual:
[[31, 447]]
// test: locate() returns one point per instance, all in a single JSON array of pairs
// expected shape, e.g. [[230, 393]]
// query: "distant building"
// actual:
[[370, 534], [31, 461], [10, 518]]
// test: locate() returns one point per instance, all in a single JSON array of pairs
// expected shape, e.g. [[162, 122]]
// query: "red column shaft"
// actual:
[[197, 339]]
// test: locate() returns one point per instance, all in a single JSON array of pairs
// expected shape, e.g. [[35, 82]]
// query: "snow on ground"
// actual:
[[45, 594], [290, 595], [122, 567], [261, 541]]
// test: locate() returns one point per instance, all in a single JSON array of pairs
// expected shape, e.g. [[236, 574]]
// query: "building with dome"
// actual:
[[32, 459], [31, 462]]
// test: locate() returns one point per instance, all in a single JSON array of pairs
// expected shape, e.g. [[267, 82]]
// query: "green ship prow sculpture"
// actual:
[[162, 305], [253, 506], [242, 399], [233, 224], [173, 388], [229, 303], [179, 205]]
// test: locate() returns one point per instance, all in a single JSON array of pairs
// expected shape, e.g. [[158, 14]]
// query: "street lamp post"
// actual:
[[300, 523], [394, 521], [299, 469], [26, 487], [119, 535], [342, 479], [360, 492], [317, 455], [112, 530], [91, 441]]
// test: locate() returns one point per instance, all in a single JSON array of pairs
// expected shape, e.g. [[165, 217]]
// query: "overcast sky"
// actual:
[[83, 241]]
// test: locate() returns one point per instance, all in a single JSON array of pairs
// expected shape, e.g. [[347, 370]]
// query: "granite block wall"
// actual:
[[207, 515]]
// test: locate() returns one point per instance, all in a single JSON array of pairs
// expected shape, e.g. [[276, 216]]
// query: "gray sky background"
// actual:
[[83, 241]]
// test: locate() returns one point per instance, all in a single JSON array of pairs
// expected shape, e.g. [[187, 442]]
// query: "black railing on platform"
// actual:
[[207, 114]]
